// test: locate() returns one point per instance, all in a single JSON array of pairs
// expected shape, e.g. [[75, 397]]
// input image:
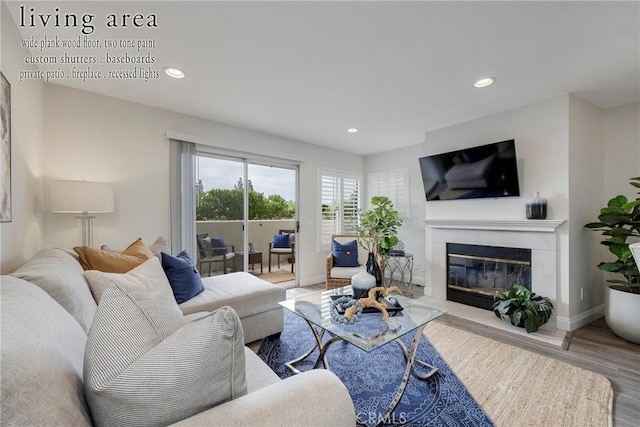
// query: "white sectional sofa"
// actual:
[[48, 312]]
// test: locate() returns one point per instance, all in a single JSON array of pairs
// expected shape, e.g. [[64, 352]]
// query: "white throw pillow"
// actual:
[[149, 277], [145, 365], [60, 275]]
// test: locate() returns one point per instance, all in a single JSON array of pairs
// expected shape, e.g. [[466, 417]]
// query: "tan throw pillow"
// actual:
[[97, 259], [157, 247], [148, 279]]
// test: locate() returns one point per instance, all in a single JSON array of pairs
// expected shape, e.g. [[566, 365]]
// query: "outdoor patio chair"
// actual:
[[281, 245], [213, 250]]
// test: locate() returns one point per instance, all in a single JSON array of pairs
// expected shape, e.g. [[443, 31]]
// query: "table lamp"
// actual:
[[82, 197]]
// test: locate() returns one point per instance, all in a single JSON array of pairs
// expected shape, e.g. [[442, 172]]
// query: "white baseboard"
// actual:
[[313, 280], [582, 319]]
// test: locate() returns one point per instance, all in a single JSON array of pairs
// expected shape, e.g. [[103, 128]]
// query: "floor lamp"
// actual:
[[84, 198]]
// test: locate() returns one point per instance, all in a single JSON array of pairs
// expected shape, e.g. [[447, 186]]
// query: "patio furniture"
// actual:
[[214, 250], [278, 250]]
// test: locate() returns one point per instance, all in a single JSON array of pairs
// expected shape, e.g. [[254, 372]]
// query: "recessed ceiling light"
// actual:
[[484, 82], [174, 72], [353, 130]]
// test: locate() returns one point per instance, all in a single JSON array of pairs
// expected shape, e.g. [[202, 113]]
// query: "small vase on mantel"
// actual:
[[536, 207], [373, 268]]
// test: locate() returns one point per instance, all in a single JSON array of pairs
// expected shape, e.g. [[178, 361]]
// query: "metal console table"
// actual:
[[400, 270]]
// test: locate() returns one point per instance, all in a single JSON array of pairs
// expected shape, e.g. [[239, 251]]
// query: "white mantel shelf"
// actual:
[[534, 225]]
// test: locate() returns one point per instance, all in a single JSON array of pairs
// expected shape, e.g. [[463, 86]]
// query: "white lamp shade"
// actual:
[[81, 196]]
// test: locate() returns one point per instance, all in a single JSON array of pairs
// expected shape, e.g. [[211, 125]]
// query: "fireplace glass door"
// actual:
[[475, 273]]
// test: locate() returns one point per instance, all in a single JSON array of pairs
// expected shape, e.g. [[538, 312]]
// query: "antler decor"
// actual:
[[371, 301]]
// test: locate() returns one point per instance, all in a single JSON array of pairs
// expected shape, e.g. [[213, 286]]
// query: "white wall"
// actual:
[[98, 138], [586, 187], [540, 131], [24, 234], [577, 155], [411, 233], [622, 150]]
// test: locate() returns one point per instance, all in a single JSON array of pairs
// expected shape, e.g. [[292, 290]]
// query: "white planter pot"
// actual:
[[622, 312]]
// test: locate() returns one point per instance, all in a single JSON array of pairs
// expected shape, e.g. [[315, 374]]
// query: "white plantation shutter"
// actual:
[[339, 204], [393, 184]]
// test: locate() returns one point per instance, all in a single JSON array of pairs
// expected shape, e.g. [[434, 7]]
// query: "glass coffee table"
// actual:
[[369, 333]]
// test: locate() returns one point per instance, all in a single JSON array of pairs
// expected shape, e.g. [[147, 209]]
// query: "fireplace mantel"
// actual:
[[542, 226]]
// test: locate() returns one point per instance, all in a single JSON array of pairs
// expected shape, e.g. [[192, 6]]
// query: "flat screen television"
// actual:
[[489, 170]]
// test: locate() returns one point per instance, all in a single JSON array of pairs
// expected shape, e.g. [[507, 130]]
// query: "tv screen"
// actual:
[[484, 171]]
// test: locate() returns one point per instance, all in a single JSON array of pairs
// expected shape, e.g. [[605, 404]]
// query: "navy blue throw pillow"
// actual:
[[218, 242], [345, 255], [281, 240], [183, 276]]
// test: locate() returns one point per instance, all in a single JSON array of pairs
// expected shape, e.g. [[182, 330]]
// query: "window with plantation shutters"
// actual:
[[339, 205], [393, 184]]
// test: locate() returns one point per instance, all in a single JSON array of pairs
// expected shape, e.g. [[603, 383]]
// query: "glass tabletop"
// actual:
[[370, 331]]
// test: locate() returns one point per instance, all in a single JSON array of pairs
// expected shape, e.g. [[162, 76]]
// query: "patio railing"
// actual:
[[260, 232]]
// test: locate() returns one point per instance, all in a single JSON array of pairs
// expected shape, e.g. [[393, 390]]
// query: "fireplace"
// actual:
[[476, 272]]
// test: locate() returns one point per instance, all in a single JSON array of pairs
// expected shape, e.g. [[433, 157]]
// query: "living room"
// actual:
[[575, 153]]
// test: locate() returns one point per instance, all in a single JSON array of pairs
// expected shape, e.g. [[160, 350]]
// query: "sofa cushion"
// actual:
[[183, 276], [149, 277], [112, 262], [345, 272], [247, 294], [157, 247], [345, 254], [145, 365], [42, 354], [60, 275]]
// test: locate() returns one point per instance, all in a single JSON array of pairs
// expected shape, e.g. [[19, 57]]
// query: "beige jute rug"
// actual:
[[517, 387], [277, 276]]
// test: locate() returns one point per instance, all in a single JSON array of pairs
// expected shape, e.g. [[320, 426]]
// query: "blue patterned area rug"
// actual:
[[373, 379]]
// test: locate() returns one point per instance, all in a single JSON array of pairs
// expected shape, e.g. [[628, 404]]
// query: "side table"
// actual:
[[255, 257], [403, 266]]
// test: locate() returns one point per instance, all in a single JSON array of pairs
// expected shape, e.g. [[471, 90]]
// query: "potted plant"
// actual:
[[524, 308], [619, 223], [378, 233]]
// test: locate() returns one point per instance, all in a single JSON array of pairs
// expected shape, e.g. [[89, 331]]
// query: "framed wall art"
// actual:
[[5, 160]]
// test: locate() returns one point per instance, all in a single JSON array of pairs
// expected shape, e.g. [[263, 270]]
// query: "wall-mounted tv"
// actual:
[[484, 171]]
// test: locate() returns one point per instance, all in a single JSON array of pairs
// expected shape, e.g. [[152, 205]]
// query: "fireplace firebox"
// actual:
[[475, 273]]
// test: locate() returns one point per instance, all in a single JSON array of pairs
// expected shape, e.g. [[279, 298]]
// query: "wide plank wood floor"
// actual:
[[593, 347]]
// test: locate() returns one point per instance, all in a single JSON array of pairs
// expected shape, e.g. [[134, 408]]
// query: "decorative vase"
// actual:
[[536, 207], [373, 268], [621, 312], [361, 283]]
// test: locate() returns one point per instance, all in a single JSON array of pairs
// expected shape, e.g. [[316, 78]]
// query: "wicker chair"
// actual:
[[342, 277]]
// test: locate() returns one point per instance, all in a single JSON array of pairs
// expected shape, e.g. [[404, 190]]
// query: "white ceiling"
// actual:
[[310, 70]]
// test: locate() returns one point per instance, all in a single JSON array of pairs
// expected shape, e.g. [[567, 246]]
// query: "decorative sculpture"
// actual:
[[371, 301]]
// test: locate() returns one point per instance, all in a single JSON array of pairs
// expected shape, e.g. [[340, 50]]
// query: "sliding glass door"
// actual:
[[246, 217]]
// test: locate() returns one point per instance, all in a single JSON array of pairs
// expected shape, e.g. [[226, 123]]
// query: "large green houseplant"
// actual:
[[619, 224], [378, 232], [524, 308]]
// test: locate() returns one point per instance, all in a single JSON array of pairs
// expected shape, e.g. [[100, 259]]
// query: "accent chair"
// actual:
[[336, 276]]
